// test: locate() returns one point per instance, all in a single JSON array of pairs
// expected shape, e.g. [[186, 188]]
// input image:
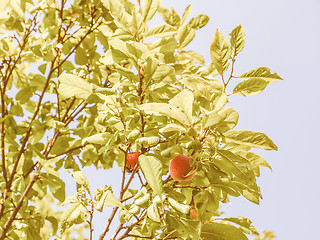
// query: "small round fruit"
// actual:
[[132, 160], [180, 168], [194, 213]]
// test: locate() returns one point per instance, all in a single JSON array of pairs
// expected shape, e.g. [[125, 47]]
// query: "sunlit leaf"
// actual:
[[220, 52], [185, 35], [152, 171], [250, 87], [251, 139], [163, 30], [199, 21], [74, 86], [262, 73], [221, 231], [238, 39], [149, 8]]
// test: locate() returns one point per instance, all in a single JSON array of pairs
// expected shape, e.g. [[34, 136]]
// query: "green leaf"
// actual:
[[148, 141], [99, 138], [243, 223], [56, 185], [149, 8], [183, 208], [19, 78], [199, 21], [222, 121], [250, 87], [155, 71], [220, 52], [108, 199], [229, 118], [186, 13], [153, 212], [160, 31], [140, 201], [37, 81], [19, 184], [218, 100], [81, 57], [152, 171], [80, 178], [185, 35], [211, 119], [238, 39], [32, 232], [249, 138], [117, 10], [262, 73], [221, 231], [252, 192], [172, 127], [194, 56], [171, 18], [179, 107], [24, 95], [164, 45], [183, 101], [72, 213], [234, 164], [256, 161], [74, 86]]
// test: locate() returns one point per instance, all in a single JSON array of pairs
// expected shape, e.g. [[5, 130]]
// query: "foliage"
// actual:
[[84, 83]]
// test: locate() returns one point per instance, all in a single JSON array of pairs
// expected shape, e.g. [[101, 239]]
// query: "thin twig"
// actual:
[[106, 229]]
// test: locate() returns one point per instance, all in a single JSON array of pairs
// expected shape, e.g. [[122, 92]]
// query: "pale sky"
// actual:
[[283, 35]]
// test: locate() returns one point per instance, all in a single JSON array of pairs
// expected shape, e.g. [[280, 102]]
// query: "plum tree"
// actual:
[[180, 168], [84, 83]]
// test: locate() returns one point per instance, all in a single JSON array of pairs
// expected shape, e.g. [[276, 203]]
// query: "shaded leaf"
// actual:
[[56, 185]]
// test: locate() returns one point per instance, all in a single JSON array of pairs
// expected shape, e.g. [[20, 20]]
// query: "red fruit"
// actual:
[[194, 213], [132, 160], [180, 167]]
